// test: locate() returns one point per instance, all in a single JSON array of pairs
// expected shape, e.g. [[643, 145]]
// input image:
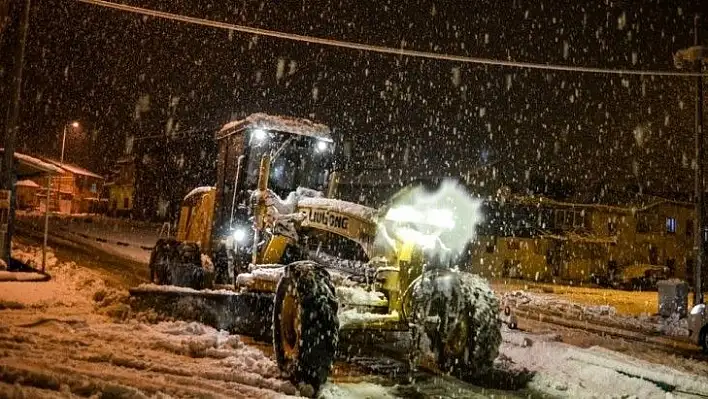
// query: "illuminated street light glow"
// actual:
[[75, 124]]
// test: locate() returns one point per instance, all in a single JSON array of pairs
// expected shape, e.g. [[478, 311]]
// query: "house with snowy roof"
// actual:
[[537, 238], [26, 194], [120, 187], [76, 190]]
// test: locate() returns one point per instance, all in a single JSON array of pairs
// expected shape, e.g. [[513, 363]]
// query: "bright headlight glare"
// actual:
[[259, 135], [422, 240], [321, 145], [404, 214], [698, 309], [239, 235], [443, 218]]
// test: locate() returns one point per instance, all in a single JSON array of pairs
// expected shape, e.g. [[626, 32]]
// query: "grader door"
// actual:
[[196, 215]]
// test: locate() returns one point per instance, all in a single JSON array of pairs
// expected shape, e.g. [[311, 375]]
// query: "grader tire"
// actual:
[[305, 324], [467, 335], [176, 263], [163, 254]]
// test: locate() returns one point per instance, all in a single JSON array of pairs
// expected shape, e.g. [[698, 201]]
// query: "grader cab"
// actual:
[[268, 230]]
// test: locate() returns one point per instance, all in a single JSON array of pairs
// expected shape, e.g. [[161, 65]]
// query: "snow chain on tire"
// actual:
[[305, 323], [460, 314]]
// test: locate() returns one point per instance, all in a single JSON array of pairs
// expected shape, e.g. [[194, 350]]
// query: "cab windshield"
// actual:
[[303, 161]]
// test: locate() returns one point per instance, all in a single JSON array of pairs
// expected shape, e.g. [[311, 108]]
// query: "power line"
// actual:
[[376, 48]]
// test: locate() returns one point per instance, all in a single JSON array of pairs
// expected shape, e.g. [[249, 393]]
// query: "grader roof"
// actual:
[[278, 123]]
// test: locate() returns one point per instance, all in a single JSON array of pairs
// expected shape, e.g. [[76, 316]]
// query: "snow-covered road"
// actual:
[[122, 238], [76, 334]]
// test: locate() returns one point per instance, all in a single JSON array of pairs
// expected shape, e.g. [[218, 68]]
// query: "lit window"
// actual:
[[671, 225]]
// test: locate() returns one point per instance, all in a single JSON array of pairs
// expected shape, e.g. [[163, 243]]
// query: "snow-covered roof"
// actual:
[[27, 183], [279, 123], [29, 165], [73, 169], [625, 208]]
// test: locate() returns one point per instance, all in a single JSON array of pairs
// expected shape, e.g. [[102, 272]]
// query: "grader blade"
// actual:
[[239, 313]]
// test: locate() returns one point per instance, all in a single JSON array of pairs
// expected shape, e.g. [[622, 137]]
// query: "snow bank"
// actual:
[[562, 370], [598, 313], [247, 365], [361, 390], [21, 276], [32, 256], [70, 286]]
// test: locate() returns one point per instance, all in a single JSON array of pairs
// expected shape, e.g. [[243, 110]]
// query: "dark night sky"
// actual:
[[94, 65]]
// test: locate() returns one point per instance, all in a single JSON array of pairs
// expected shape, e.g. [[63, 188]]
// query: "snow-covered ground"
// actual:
[[127, 239], [77, 334], [559, 369], [651, 324], [21, 276]]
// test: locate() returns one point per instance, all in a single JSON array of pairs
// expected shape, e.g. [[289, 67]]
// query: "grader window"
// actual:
[[302, 161]]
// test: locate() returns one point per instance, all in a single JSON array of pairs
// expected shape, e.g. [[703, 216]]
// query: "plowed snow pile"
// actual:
[[597, 313], [75, 335], [562, 370]]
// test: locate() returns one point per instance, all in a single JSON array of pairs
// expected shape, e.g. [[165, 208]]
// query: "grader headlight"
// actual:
[[432, 218], [419, 227], [408, 235], [259, 135], [239, 234]]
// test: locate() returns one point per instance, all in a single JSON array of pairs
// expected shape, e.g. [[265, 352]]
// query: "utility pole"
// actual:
[[700, 188], [8, 170]]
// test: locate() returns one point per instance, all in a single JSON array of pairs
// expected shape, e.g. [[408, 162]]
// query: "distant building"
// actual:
[[120, 188], [77, 190], [540, 239], [26, 193]]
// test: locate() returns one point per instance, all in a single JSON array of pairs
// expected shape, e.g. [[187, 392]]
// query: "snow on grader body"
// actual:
[[301, 269]]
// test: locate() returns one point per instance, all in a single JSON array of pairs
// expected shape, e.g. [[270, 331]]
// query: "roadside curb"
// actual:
[[105, 241], [23, 277], [606, 329]]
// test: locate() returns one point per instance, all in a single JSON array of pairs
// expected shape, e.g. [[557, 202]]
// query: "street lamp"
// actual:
[[63, 140], [74, 125], [695, 57]]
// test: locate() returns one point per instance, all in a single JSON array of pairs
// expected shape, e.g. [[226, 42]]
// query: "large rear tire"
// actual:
[[460, 314], [163, 254], [704, 339], [305, 324]]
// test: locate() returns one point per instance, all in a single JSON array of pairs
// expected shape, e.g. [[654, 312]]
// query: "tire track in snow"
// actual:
[[36, 357]]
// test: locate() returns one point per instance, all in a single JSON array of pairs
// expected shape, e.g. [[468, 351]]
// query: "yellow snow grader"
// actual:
[[268, 249]]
